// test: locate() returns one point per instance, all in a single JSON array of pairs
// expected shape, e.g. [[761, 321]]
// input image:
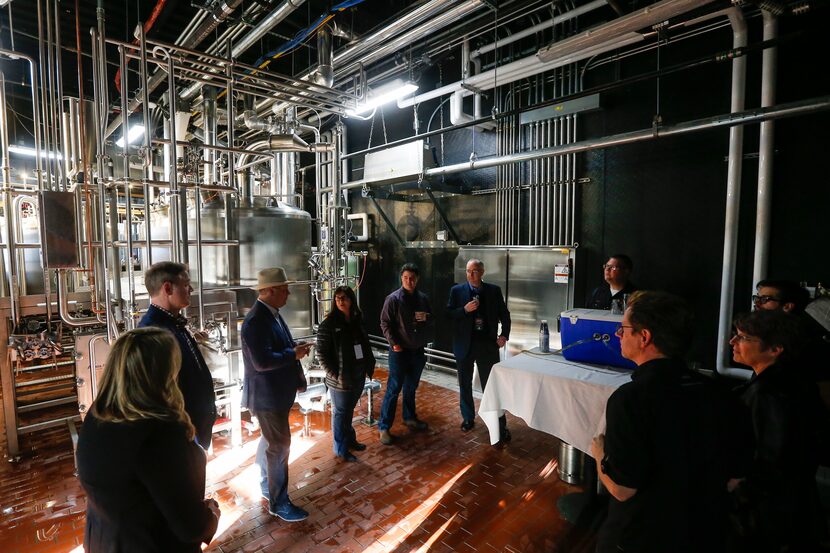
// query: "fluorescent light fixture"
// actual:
[[384, 94], [31, 152], [132, 135]]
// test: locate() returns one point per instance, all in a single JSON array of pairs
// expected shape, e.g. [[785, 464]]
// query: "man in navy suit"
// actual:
[[476, 309], [273, 376], [168, 284]]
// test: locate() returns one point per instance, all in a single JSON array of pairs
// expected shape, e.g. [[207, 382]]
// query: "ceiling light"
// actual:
[[133, 134], [384, 94], [4, 2], [31, 152]]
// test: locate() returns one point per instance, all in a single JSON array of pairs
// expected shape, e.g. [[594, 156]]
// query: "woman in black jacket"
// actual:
[[787, 422], [344, 352], [143, 474]]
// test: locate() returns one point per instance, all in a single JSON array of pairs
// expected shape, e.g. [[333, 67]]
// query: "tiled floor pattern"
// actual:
[[439, 490]]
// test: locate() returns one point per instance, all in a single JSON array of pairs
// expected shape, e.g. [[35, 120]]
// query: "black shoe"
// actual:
[[357, 446], [416, 424], [466, 426], [348, 457], [504, 435]]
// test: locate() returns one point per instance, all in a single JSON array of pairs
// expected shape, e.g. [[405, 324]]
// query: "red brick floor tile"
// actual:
[[439, 490]]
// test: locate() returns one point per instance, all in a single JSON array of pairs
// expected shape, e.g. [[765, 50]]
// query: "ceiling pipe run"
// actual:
[[277, 15], [417, 24], [218, 15], [518, 70], [530, 31], [610, 36]]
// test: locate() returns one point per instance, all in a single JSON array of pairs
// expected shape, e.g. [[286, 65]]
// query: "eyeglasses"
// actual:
[[743, 338], [341, 298], [474, 271], [620, 330], [762, 300], [612, 267]]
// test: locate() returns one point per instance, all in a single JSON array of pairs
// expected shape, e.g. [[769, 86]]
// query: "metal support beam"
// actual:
[[443, 215], [369, 194]]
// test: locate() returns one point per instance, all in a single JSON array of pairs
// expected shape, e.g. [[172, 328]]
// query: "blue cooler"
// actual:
[[588, 336]]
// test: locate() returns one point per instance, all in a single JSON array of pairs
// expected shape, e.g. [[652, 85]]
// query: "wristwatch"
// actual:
[[604, 464]]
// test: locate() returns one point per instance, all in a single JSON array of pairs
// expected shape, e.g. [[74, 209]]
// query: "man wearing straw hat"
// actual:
[[273, 376]]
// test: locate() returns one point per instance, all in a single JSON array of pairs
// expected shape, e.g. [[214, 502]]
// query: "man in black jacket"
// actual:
[[476, 309], [616, 272], [406, 322], [168, 285]]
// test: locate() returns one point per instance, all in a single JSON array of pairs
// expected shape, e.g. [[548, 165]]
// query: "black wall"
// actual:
[[662, 201]]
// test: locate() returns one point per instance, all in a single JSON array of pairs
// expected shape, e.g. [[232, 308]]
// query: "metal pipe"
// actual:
[[450, 16], [324, 74], [633, 22], [733, 203], [44, 100], [128, 198], [63, 305], [148, 152], [199, 33], [510, 39], [766, 152], [199, 265], [178, 204], [58, 107], [334, 206], [792, 109], [429, 17], [230, 109], [7, 202], [209, 122], [14, 55], [274, 18], [98, 111]]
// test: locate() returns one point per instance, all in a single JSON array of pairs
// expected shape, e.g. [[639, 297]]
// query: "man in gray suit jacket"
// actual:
[[273, 376]]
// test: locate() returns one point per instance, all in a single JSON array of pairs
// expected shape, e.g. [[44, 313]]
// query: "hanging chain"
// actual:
[[383, 122], [371, 130], [441, 108]]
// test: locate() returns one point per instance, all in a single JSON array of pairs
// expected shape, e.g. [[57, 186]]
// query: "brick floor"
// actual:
[[439, 490]]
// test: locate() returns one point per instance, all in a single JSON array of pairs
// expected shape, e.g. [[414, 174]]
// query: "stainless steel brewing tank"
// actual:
[[276, 236]]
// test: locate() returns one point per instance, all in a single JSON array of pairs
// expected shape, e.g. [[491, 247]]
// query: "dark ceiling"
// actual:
[[19, 29]]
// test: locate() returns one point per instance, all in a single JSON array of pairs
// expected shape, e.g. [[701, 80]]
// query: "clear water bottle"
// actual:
[[544, 337]]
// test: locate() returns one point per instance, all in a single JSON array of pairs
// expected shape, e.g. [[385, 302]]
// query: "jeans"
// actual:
[[485, 354], [405, 368], [272, 456], [343, 403]]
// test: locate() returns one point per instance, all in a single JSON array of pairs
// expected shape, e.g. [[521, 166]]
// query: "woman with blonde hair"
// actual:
[[143, 474]]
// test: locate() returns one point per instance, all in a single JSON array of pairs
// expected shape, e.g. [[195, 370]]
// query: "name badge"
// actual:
[[358, 352]]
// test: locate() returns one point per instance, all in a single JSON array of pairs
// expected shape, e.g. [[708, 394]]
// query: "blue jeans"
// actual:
[[342, 413], [272, 456], [405, 368], [485, 354]]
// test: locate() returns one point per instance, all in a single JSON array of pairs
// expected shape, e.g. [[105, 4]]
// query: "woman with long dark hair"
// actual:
[[143, 474], [344, 352]]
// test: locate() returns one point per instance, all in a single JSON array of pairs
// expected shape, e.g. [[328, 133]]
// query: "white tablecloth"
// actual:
[[560, 397]]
